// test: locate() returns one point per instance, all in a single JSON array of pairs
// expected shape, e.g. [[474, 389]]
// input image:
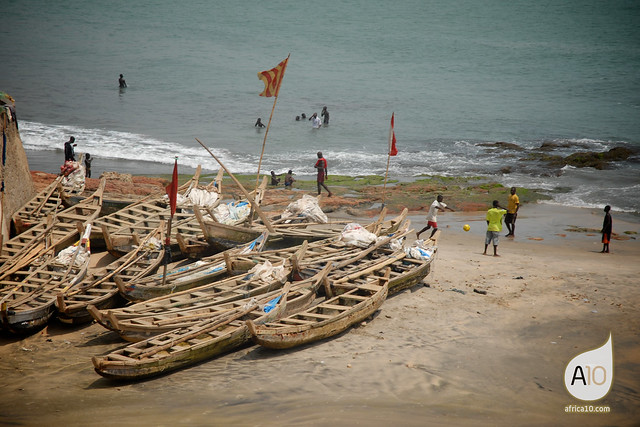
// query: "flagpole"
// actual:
[[167, 240], [266, 132], [386, 174], [4, 173]]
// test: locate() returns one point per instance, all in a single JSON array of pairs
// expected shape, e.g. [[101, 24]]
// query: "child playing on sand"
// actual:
[[87, 165], [432, 216]]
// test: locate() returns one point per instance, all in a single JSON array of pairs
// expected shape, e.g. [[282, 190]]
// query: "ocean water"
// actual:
[[457, 74]]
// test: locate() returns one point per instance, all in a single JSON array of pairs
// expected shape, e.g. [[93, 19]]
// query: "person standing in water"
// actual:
[[315, 121], [121, 82], [325, 116]]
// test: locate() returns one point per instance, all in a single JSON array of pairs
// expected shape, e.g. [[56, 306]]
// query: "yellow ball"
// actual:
[[466, 227]]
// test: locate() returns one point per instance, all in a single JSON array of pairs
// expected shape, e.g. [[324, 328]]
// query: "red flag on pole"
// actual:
[[392, 139], [172, 189], [273, 79]]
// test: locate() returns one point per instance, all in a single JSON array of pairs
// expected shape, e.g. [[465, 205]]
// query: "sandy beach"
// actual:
[[439, 354]]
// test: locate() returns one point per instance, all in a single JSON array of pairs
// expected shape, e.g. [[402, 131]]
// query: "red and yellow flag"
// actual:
[[273, 79], [392, 139]]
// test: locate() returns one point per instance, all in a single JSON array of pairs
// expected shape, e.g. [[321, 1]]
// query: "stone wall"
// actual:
[[18, 185]]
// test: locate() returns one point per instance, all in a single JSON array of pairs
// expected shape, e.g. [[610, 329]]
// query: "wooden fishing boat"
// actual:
[[348, 260], [287, 234], [147, 208], [130, 321], [242, 285], [100, 288], [27, 299], [142, 327], [330, 317], [222, 291], [187, 346], [406, 272], [48, 201], [61, 230], [123, 240], [121, 230], [188, 276]]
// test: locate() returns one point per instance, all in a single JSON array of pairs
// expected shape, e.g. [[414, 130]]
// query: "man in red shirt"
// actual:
[[321, 166]]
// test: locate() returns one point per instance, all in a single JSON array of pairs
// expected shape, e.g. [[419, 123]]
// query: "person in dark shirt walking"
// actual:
[[607, 228]]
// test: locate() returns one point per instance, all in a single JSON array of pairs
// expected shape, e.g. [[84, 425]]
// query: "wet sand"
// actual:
[[437, 354]]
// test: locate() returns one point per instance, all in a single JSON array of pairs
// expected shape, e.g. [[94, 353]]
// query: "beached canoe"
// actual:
[[121, 230], [287, 234], [60, 230], [27, 297], [190, 275], [184, 347], [231, 289], [250, 280], [406, 271], [48, 201], [100, 288], [130, 321], [162, 320], [331, 317]]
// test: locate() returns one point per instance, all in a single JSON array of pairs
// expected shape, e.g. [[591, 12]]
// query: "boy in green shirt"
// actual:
[[494, 227]]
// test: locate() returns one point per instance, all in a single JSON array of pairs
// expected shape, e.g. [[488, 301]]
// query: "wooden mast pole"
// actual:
[[254, 205]]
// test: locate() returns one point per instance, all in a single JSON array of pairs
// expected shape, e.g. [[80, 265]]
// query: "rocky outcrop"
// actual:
[[18, 186]]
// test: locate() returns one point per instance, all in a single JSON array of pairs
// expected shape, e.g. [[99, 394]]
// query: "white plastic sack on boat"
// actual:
[[74, 182], [181, 201], [202, 197], [232, 213], [197, 196], [396, 244], [266, 271], [356, 235], [152, 244], [306, 207], [65, 256], [419, 251]]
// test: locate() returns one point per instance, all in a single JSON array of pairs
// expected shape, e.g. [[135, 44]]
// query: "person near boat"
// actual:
[[289, 179], [432, 216], [274, 179], [321, 167], [87, 165], [69, 153]]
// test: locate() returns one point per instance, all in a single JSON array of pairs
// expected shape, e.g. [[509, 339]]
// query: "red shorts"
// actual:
[[320, 178], [606, 238], [432, 224]]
